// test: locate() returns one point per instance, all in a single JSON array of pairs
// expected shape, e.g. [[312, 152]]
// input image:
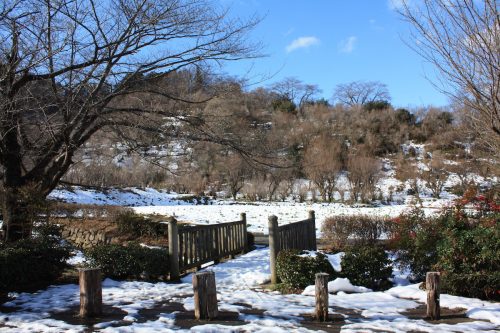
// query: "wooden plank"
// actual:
[[235, 237], [231, 241], [193, 246], [244, 227], [293, 236], [203, 244], [187, 239], [237, 234], [197, 246], [181, 251], [208, 244], [243, 238], [226, 243], [217, 245], [186, 248], [213, 253]]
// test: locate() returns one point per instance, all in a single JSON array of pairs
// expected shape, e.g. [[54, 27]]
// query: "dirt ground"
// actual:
[[185, 319]]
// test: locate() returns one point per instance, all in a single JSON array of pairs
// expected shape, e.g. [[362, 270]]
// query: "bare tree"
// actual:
[[235, 170], [296, 91], [323, 160], [409, 173], [461, 38], [275, 177], [285, 189], [361, 93], [69, 69], [436, 175], [463, 170], [363, 174]]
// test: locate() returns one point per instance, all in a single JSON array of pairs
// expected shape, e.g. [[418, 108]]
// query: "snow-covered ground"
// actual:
[[151, 201], [238, 289], [258, 213], [239, 280], [132, 196]]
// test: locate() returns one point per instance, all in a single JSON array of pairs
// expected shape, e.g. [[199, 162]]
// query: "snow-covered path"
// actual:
[[238, 289]]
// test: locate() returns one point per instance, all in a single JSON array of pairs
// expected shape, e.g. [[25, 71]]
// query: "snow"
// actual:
[[418, 148], [152, 201], [339, 284], [476, 308], [238, 287], [401, 325], [335, 260], [77, 258], [239, 280], [131, 196], [258, 213]]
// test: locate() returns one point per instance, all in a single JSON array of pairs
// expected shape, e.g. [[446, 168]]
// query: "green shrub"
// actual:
[[462, 243], [131, 261], [361, 229], [297, 272], [376, 105], [415, 240], [32, 263], [469, 245], [477, 285], [469, 251], [139, 225], [47, 231], [367, 266]]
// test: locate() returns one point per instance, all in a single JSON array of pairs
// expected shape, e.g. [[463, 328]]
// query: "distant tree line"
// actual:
[[336, 147]]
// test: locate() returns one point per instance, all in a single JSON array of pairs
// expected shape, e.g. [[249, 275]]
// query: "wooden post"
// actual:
[[322, 296], [433, 291], [273, 246], [245, 232], [312, 236], [205, 295], [173, 249], [90, 292]]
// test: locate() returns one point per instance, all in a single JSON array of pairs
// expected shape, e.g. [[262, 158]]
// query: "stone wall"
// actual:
[[85, 237]]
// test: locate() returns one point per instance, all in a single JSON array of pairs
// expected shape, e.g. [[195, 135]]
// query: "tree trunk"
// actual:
[[16, 223]]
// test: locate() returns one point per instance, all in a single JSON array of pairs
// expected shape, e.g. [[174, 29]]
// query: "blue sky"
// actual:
[[327, 42]]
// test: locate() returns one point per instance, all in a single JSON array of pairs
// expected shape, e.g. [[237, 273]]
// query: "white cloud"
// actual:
[[347, 45], [302, 42]]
